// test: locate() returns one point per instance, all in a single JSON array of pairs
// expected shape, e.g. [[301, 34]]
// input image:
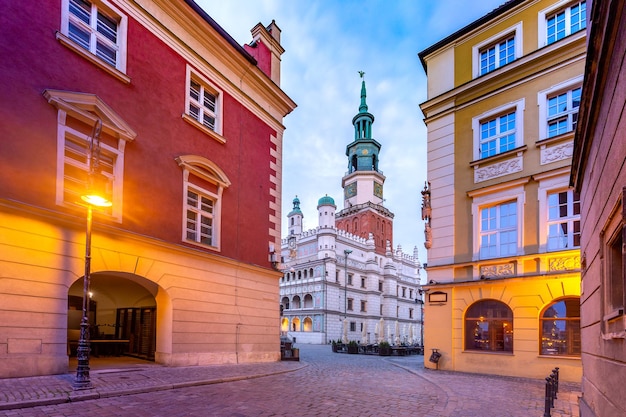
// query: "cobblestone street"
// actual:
[[321, 384]]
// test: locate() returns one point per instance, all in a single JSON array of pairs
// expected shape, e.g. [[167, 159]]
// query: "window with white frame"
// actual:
[[558, 108], [497, 55], [203, 184], [497, 135], [77, 115], [200, 208], [204, 105], [563, 112], [565, 21], [563, 220], [97, 27], [497, 51], [498, 130], [498, 230], [497, 215]]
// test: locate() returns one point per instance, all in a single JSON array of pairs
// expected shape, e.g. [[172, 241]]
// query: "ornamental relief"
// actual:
[[564, 264], [498, 170], [500, 270], [557, 153]]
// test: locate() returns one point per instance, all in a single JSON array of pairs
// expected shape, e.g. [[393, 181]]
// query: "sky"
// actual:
[[327, 42]]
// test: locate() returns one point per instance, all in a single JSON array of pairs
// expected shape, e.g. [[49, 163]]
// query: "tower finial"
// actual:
[[361, 73]]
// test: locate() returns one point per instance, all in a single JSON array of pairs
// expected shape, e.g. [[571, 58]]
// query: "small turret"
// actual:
[[295, 218]]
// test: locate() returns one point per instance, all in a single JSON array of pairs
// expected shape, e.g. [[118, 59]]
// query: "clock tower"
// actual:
[[363, 211]]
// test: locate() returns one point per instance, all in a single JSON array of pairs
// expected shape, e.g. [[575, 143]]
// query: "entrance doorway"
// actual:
[[122, 316]]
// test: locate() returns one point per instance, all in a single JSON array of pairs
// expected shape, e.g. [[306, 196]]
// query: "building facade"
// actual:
[[169, 112], [502, 222], [342, 280], [599, 175]]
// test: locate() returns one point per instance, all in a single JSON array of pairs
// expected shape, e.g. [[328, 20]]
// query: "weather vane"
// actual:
[[361, 73]]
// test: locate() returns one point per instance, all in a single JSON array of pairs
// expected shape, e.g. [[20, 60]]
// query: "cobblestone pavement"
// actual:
[[322, 384]]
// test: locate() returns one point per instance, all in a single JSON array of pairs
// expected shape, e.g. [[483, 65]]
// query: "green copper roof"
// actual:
[[363, 106], [326, 201], [296, 207]]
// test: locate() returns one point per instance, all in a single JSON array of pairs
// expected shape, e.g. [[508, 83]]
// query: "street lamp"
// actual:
[[91, 199], [346, 252]]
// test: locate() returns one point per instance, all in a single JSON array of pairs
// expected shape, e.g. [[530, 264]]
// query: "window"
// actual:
[[560, 328], [96, 30], [614, 276], [350, 304], [497, 135], [558, 108], [78, 113], [296, 302], [353, 326], [489, 327], [363, 281], [349, 279], [203, 184], [403, 292], [203, 105], [566, 21], [380, 286], [381, 310], [363, 306], [497, 55], [410, 313], [563, 112], [498, 130], [497, 51], [498, 230], [563, 220], [200, 217]]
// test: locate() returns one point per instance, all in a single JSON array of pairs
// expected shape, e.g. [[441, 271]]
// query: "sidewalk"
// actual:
[[131, 379]]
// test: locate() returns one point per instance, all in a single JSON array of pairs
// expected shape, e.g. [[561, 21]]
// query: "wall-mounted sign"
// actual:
[[437, 297]]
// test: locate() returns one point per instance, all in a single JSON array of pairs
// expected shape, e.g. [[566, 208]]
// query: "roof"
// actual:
[[508, 5], [221, 31]]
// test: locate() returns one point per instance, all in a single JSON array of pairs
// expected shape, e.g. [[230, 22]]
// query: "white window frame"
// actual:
[[543, 15], [518, 107], [205, 170], [550, 183], [87, 108], [494, 196], [514, 31], [542, 101], [108, 9], [206, 85]]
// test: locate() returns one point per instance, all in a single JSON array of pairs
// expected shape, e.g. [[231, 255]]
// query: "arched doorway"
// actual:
[[122, 316]]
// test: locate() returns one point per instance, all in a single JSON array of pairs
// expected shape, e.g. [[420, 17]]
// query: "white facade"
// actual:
[[316, 300]]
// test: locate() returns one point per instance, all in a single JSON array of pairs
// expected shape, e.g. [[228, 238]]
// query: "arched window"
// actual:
[[489, 327], [307, 324], [311, 272], [295, 324], [285, 303], [308, 301], [296, 301], [284, 324], [560, 328]]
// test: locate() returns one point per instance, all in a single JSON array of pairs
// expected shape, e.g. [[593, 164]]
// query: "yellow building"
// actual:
[[502, 223]]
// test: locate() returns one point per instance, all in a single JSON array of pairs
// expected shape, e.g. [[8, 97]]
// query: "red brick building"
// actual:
[[189, 154]]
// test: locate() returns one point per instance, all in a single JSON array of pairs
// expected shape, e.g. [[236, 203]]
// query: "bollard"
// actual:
[[548, 403], [555, 371]]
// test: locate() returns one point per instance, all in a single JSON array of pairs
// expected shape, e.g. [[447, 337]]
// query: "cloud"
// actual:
[[326, 43]]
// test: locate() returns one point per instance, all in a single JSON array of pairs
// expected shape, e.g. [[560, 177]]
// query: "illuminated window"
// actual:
[[489, 327], [96, 29], [560, 328]]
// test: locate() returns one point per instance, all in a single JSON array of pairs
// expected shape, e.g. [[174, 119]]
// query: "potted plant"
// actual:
[[334, 346], [384, 349], [353, 347]]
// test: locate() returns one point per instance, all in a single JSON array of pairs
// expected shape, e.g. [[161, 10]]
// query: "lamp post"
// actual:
[[421, 303], [346, 252], [91, 199]]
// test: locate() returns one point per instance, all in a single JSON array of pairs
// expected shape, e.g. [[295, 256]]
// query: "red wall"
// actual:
[[152, 105], [369, 222]]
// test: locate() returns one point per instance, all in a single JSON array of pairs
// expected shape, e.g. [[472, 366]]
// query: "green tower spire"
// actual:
[[363, 106]]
